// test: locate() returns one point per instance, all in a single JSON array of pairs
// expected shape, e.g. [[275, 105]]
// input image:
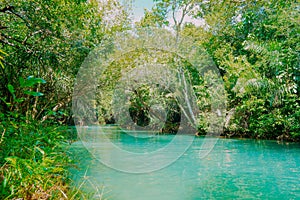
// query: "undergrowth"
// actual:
[[34, 161]]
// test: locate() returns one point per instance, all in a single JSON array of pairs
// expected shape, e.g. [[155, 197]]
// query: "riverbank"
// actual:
[[34, 161]]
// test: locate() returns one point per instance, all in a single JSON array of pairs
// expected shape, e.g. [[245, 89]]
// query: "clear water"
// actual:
[[235, 168]]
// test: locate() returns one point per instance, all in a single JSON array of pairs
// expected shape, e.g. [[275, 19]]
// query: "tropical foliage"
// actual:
[[254, 45], [42, 45]]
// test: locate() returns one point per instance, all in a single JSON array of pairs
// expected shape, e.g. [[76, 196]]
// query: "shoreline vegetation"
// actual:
[[43, 43]]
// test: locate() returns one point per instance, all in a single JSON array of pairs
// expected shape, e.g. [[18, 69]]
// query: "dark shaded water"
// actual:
[[240, 169]]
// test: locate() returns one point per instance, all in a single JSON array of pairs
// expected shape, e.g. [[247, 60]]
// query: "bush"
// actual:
[[34, 164], [258, 118]]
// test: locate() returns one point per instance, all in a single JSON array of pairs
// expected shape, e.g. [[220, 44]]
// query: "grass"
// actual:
[[34, 161]]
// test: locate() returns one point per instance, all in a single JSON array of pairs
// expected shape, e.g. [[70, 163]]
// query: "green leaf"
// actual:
[[32, 93], [40, 80], [11, 89], [3, 52], [19, 100], [22, 82], [31, 81], [2, 58], [40, 150], [2, 65], [12, 160]]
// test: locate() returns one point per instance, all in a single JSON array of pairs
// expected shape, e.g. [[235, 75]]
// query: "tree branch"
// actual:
[[11, 10], [7, 8], [2, 136], [7, 42], [31, 35], [58, 106]]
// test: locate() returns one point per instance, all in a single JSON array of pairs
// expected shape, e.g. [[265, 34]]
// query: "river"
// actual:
[[234, 168]]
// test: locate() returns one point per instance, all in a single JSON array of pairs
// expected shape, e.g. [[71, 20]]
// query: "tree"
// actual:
[[178, 10], [257, 53], [254, 44], [49, 39]]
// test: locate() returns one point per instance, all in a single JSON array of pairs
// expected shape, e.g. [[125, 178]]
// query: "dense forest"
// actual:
[[43, 43]]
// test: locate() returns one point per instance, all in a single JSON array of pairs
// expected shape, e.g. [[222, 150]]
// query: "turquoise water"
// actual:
[[235, 168]]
